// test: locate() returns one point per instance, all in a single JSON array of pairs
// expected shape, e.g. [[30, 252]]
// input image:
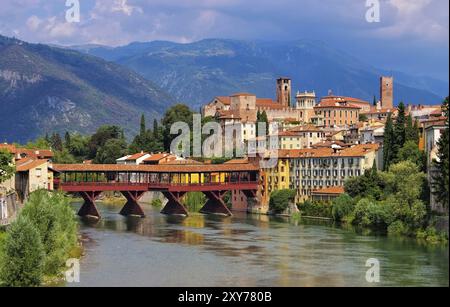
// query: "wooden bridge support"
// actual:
[[215, 204], [174, 205], [89, 208], [132, 206]]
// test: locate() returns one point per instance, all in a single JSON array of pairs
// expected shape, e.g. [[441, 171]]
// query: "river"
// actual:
[[246, 250]]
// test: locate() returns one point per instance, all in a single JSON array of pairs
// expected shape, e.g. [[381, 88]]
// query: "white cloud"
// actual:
[[418, 19]]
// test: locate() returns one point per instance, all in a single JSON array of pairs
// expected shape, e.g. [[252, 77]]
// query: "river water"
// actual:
[[247, 250]]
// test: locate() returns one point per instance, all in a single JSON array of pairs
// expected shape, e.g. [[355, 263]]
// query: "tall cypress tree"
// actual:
[[388, 142], [441, 179], [399, 131], [67, 139], [374, 100], [143, 128], [265, 119], [410, 134]]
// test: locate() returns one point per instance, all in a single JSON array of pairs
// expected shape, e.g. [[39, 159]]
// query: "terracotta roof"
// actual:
[[237, 161], [227, 114], [159, 168], [324, 152], [29, 164], [181, 162], [158, 157], [329, 144], [242, 94], [374, 110], [34, 153], [226, 100], [338, 190], [336, 104], [343, 98], [136, 156], [306, 128], [267, 103], [8, 147]]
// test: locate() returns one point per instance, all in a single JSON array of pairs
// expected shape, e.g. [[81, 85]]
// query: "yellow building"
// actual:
[[310, 170]]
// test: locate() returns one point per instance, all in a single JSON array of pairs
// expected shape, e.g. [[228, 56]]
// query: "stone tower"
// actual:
[[284, 91], [387, 92]]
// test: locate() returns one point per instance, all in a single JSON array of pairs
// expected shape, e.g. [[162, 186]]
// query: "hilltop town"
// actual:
[[319, 144]]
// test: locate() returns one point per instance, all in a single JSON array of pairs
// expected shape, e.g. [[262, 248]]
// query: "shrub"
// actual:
[[369, 213], [398, 228], [55, 221], [316, 209], [156, 202], [431, 235], [22, 255], [194, 201], [342, 207], [280, 200]]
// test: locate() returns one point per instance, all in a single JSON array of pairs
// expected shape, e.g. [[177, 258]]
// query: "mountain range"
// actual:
[[49, 88], [44, 89], [196, 72]]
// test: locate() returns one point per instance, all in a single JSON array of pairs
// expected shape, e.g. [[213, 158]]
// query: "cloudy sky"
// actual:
[[412, 35]]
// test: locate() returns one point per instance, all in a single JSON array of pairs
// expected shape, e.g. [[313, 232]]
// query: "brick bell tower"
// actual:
[[284, 91], [387, 92]]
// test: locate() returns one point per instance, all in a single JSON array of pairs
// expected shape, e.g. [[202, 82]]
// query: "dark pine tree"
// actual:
[[67, 139], [399, 131], [143, 129], [441, 178], [388, 143]]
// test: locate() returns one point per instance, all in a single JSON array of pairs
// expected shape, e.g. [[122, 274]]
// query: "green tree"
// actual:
[[103, 134], [143, 129], [369, 185], [363, 118], [342, 207], [111, 151], [374, 103], [261, 117], [177, 113], [67, 140], [22, 255], [411, 130], [79, 147], [55, 221], [64, 157], [441, 178], [280, 200], [399, 131], [411, 152], [7, 169], [56, 142], [388, 143]]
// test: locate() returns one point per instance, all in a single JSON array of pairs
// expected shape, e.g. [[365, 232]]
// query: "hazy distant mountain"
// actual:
[[45, 89], [195, 73]]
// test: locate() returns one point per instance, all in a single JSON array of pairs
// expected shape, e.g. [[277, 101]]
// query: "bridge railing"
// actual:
[[153, 184]]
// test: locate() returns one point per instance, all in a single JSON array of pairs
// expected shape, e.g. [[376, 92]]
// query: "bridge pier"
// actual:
[[215, 204], [174, 205], [132, 206], [89, 208]]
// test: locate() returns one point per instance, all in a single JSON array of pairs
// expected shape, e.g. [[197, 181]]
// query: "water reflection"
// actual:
[[247, 250]]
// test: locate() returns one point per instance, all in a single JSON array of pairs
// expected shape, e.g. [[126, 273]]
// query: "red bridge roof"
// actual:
[[161, 168]]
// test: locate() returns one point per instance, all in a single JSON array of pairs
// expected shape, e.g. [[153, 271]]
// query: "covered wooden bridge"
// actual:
[[173, 181]]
